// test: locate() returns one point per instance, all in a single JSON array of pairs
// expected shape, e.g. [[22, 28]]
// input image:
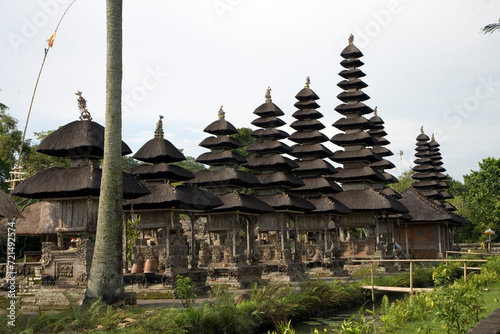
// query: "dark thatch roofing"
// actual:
[[221, 158], [351, 51], [326, 204], [160, 171], [221, 127], [390, 192], [364, 154], [287, 202], [242, 203], [159, 150], [308, 137], [355, 73], [309, 124], [275, 161], [359, 107], [369, 200], [268, 122], [306, 104], [269, 133], [307, 150], [40, 218], [385, 164], [279, 179], [224, 177], [318, 185], [57, 182], [357, 95], [382, 151], [307, 114], [357, 174], [166, 196], [268, 147], [8, 208], [348, 84], [346, 139], [306, 93], [316, 166], [268, 109], [77, 139], [353, 62], [353, 123], [425, 210]]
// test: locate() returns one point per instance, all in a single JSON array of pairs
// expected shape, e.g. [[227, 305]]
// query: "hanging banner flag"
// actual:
[[51, 40]]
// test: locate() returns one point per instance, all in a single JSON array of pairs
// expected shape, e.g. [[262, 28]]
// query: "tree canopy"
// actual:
[[481, 198]]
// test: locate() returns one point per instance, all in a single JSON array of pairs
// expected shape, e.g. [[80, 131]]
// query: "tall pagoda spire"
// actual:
[[378, 131], [362, 172], [309, 149], [314, 171], [428, 176], [273, 171], [223, 251]]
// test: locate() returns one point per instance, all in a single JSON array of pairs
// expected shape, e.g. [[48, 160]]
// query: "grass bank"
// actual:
[[262, 309]]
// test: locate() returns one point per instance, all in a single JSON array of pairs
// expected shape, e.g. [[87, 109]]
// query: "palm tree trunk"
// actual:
[[106, 275]]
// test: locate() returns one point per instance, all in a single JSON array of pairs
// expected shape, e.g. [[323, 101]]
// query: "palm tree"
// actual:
[[488, 29], [106, 276]]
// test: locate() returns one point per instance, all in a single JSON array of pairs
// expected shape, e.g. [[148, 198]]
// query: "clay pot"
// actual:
[[150, 266], [136, 268]]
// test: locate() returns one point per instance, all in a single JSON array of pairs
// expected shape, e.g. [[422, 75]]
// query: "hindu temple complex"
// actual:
[[281, 212]]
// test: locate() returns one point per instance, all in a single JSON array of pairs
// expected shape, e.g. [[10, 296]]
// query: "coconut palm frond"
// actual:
[[488, 29]]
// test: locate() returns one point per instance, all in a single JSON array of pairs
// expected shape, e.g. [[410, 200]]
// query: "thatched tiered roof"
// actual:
[[167, 197], [79, 139], [311, 154], [40, 218], [223, 179], [8, 208], [361, 139], [59, 183], [272, 169], [425, 210], [429, 178], [160, 152]]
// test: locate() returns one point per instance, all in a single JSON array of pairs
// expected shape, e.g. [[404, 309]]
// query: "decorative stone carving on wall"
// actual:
[[371, 245], [64, 270], [205, 254], [353, 246], [47, 252], [85, 251]]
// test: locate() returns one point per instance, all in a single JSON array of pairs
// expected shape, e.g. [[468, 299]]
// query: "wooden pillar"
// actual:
[[193, 239], [440, 251], [407, 241], [248, 240], [237, 223], [282, 223]]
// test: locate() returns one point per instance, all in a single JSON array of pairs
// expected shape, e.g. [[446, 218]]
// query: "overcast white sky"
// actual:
[[426, 65]]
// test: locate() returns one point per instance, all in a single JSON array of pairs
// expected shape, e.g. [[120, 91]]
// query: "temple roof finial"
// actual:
[[432, 137], [268, 94], [351, 39], [308, 82], [82, 105], [375, 111], [222, 114], [159, 128], [422, 130]]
